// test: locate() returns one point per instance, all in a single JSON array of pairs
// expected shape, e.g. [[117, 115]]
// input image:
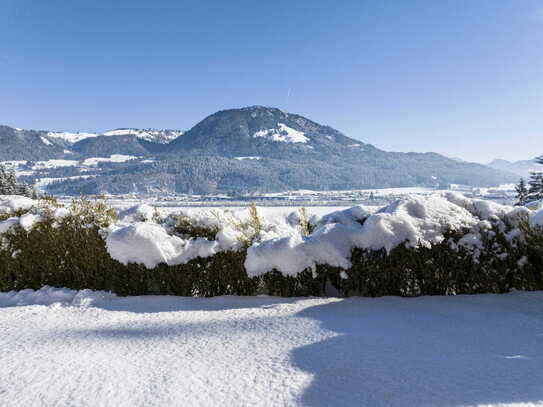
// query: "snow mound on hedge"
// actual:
[[413, 220], [13, 203], [150, 244], [230, 236], [26, 221], [137, 213], [8, 224], [537, 218], [483, 209], [349, 217], [278, 242], [535, 205]]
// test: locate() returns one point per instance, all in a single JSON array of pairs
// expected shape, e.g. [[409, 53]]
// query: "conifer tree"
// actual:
[[3, 179], [7, 181], [522, 192], [535, 184], [9, 185], [535, 192]]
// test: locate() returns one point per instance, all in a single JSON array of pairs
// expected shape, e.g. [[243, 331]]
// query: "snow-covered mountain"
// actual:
[[267, 132], [238, 150], [161, 136], [19, 144]]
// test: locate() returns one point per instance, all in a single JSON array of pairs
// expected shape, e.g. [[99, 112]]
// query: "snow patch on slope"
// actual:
[[71, 138], [41, 165], [45, 141], [283, 134], [247, 158], [152, 135], [114, 158], [45, 181]]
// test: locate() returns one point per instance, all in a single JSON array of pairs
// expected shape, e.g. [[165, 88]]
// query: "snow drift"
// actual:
[[82, 348]]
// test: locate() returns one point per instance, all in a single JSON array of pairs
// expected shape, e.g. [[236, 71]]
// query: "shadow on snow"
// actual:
[[428, 351]]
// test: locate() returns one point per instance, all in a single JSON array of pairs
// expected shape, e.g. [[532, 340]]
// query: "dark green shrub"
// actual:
[[186, 227], [71, 252], [17, 213]]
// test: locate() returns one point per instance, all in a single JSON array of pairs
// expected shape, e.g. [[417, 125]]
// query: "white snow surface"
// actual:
[[149, 135], [7, 224], [28, 220], [45, 141], [114, 158], [283, 134], [137, 213], [71, 138], [45, 181], [152, 135], [534, 205], [12, 203], [120, 132], [134, 239], [484, 209], [40, 165], [247, 158], [415, 220], [63, 347], [150, 244], [537, 218]]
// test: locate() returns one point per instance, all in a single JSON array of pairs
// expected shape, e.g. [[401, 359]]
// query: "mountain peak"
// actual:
[[260, 108], [261, 131]]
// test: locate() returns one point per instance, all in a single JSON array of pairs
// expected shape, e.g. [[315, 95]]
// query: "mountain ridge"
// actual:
[[522, 168], [234, 150]]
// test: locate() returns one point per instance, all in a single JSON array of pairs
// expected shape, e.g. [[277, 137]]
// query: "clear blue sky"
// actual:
[[460, 77]]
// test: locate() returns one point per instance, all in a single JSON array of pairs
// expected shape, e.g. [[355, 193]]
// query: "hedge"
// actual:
[[71, 252]]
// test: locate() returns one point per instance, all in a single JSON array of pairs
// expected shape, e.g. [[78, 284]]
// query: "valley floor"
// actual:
[[93, 349]]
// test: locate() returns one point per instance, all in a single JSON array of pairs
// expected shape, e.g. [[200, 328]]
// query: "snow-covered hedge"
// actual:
[[439, 244]]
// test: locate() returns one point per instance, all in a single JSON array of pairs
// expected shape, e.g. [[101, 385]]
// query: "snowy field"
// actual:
[[92, 349], [242, 211], [281, 202]]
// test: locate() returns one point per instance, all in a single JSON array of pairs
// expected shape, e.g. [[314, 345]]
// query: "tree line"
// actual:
[[10, 186], [533, 189]]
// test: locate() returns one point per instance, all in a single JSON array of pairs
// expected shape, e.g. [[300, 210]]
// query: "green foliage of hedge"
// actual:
[[17, 213], [185, 227], [67, 253], [70, 252]]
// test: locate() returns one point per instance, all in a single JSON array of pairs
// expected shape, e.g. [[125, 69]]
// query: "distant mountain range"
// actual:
[[151, 135], [19, 144], [522, 168], [232, 151]]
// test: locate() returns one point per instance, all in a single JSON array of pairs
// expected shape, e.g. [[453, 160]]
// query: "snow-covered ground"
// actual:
[[241, 211], [504, 194], [93, 349]]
